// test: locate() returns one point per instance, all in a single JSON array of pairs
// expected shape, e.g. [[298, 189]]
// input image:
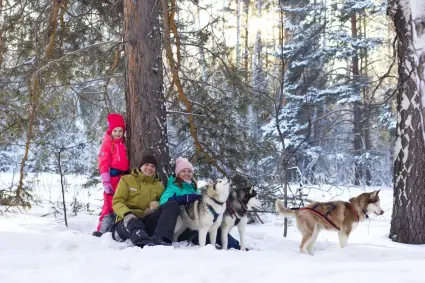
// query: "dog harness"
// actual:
[[325, 215], [213, 212], [211, 209], [233, 213], [216, 201], [244, 207], [355, 212]]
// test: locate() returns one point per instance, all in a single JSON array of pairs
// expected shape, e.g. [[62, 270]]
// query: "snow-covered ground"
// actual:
[[41, 249]]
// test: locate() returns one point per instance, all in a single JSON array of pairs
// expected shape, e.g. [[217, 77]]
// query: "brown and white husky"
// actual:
[[339, 216]]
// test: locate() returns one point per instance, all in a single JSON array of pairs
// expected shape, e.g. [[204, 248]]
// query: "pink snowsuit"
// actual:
[[113, 154]]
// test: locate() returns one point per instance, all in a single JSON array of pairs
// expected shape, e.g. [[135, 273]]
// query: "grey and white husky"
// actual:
[[241, 199], [205, 214]]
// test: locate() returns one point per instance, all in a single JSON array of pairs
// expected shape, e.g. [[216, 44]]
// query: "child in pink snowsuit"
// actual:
[[113, 163]]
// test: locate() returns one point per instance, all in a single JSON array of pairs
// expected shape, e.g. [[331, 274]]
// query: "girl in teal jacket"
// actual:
[[179, 191], [183, 189]]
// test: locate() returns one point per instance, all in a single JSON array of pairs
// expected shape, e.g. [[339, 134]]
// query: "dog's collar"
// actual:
[[357, 215], [216, 201], [213, 212]]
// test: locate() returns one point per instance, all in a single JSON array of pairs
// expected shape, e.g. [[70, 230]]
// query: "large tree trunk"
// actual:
[[408, 219], [146, 117], [1, 35]]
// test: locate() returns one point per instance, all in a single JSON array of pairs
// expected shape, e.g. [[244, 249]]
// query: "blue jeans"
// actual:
[[193, 237]]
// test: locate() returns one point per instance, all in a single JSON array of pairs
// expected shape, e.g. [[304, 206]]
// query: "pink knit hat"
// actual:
[[182, 163]]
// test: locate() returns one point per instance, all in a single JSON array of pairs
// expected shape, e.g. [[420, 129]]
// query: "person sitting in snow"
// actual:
[[113, 163], [182, 188], [139, 217]]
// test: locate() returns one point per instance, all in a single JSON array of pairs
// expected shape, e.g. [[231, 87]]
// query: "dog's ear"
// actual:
[[210, 183], [374, 194]]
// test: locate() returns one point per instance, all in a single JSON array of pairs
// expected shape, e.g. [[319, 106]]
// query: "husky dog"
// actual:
[[204, 215], [335, 215], [241, 199]]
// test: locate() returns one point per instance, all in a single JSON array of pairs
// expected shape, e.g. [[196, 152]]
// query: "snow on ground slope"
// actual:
[[41, 249]]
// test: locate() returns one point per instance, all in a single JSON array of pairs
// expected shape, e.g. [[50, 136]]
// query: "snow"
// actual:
[[41, 249]]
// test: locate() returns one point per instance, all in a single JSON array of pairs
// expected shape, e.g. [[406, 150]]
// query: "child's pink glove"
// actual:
[[106, 181]]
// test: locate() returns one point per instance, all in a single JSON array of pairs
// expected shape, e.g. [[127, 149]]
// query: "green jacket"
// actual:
[[174, 190], [135, 192]]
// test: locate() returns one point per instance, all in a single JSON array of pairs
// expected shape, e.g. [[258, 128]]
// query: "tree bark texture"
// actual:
[[146, 113], [1, 35], [408, 219], [367, 111], [358, 168], [247, 3]]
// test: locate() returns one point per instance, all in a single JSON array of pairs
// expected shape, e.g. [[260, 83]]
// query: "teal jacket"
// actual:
[[173, 189]]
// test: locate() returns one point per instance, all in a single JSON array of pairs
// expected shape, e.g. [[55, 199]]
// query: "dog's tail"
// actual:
[[283, 210]]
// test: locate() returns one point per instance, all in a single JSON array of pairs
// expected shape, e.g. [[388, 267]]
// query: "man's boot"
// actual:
[[140, 238]]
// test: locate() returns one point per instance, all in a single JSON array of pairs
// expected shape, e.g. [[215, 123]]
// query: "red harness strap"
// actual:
[[355, 212], [318, 213], [232, 212], [324, 217]]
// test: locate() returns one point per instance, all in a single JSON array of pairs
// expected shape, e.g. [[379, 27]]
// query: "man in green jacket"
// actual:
[[133, 197]]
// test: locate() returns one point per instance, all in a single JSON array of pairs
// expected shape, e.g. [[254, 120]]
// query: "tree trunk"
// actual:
[[238, 34], [65, 217], [357, 111], [368, 144], [367, 112], [285, 200], [1, 35], [146, 117], [284, 174], [246, 48], [201, 50], [408, 219], [257, 85]]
